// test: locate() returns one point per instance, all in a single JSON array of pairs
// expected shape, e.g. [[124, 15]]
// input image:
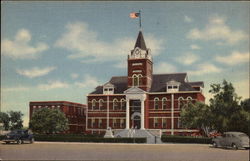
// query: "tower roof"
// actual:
[[140, 42]]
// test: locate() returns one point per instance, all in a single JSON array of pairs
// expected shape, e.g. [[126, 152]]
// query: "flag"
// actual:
[[134, 15]]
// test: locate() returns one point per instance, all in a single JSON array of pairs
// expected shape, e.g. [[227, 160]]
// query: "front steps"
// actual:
[[139, 133]]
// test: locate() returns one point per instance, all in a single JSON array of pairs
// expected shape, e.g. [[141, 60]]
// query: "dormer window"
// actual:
[[173, 86], [108, 88]]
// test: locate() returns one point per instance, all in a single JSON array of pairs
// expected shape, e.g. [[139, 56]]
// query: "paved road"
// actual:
[[119, 152]]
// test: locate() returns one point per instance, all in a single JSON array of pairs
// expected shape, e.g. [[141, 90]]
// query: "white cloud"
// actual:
[[195, 47], [187, 58], [88, 81], [74, 75], [122, 65], [216, 29], [242, 88], [233, 59], [35, 72], [84, 43], [53, 85], [205, 68], [20, 48], [14, 89], [163, 67], [188, 19]]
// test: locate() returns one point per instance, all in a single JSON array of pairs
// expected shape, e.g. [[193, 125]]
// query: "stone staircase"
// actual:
[[139, 133]]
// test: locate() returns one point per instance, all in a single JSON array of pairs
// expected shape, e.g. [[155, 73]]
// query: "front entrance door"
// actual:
[[137, 122]]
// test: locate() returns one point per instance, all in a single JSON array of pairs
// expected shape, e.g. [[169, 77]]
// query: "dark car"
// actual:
[[19, 137], [234, 140]]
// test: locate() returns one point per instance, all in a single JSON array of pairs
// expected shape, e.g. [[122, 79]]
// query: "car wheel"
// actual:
[[215, 145], [234, 146], [19, 141], [7, 142], [32, 140]]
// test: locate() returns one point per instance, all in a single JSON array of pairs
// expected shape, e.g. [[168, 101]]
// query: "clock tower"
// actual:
[[140, 65]]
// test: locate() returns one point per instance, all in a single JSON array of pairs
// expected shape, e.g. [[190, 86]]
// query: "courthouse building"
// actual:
[[141, 99], [74, 112]]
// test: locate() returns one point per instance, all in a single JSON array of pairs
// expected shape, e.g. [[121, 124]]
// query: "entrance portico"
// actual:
[[135, 93]]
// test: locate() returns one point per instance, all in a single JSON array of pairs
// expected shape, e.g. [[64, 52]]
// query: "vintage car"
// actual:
[[19, 137], [234, 140]]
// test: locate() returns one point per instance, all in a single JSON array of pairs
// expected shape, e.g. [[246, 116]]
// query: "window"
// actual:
[[189, 99], [115, 104], [101, 104], [92, 122], [122, 123], [173, 86], [108, 88], [155, 122], [135, 80], [123, 104], [164, 123], [180, 102], [179, 123], [100, 122], [93, 104], [114, 123], [164, 103], [139, 79], [156, 103]]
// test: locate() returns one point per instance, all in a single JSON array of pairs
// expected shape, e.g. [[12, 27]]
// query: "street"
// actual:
[[119, 152]]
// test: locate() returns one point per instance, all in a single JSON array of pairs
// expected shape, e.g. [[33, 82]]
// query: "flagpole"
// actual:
[[140, 18]]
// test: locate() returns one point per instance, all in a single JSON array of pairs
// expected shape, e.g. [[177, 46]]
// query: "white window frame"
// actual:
[[93, 103], [101, 101], [123, 101], [156, 99], [179, 102], [117, 104], [164, 99]]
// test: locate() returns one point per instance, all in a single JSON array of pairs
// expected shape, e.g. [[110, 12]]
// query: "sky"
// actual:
[[53, 51]]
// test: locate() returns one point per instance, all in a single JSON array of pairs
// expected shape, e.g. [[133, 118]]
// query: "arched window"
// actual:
[[164, 103], [115, 104], [123, 104], [139, 79], [135, 80], [156, 103], [101, 102], [180, 102], [93, 104]]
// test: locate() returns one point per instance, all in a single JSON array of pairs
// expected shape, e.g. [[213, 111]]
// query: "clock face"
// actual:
[[137, 51]]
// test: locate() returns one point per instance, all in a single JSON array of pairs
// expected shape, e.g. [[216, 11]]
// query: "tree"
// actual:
[[224, 106], [5, 120], [11, 120], [225, 112], [48, 121], [197, 115]]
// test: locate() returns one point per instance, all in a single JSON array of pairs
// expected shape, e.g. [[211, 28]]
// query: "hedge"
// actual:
[[186, 139], [83, 138]]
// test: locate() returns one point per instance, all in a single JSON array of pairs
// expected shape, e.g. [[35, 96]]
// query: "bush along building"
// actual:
[[74, 112], [142, 100]]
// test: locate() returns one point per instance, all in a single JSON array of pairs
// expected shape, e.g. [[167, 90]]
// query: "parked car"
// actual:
[[234, 140], [19, 137]]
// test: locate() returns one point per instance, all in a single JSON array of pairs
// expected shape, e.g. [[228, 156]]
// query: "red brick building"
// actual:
[[75, 112], [141, 99]]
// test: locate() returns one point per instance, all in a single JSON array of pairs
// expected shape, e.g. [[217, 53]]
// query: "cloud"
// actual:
[[188, 19], [84, 43], [216, 29], [35, 72], [89, 81], [233, 59], [53, 85], [195, 47], [163, 67], [187, 58], [14, 89], [205, 68], [242, 88], [121, 65], [20, 47], [74, 75]]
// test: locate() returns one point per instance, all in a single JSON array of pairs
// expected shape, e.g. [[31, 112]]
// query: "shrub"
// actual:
[[83, 138], [186, 139]]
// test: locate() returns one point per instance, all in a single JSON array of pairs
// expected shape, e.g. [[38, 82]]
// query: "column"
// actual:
[[142, 114], [172, 114], [127, 114]]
